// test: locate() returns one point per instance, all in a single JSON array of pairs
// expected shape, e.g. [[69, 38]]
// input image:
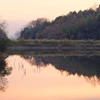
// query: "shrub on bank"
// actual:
[[4, 44]]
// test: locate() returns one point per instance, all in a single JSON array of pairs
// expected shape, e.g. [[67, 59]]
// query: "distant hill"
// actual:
[[75, 25]]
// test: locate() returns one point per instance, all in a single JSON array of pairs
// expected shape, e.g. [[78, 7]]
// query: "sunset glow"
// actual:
[[33, 9]]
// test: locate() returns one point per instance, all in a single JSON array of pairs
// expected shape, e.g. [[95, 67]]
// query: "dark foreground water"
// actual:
[[50, 78]]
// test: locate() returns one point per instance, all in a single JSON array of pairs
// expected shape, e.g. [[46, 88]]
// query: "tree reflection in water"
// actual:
[[4, 70], [89, 67]]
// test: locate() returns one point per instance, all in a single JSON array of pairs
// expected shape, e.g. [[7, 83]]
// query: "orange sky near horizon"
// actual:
[[33, 9]]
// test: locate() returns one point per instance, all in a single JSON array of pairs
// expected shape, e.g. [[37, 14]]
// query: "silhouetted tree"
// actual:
[[82, 25], [34, 27]]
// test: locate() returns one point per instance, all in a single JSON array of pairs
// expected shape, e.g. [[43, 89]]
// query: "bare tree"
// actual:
[[3, 26]]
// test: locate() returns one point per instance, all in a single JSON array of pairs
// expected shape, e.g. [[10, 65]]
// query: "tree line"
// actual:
[[75, 25]]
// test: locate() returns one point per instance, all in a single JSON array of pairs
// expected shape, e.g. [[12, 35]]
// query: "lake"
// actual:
[[50, 77]]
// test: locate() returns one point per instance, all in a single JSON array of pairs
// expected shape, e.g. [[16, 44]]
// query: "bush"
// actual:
[[3, 44]]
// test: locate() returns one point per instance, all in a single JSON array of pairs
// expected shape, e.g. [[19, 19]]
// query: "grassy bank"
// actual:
[[54, 45], [53, 42]]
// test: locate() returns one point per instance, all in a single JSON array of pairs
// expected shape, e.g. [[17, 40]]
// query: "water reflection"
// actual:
[[4, 71], [87, 66], [48, 83]]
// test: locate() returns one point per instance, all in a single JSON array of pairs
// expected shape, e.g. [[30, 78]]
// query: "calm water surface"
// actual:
[[51, 78]]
